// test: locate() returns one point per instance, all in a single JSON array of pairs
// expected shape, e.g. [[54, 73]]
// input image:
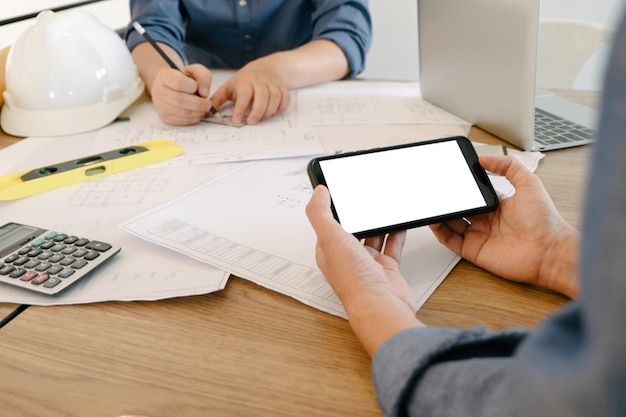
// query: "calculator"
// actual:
[[46, 261]]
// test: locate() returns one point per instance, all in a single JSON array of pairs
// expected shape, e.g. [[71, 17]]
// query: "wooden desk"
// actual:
[[245, 351], [6, 140]]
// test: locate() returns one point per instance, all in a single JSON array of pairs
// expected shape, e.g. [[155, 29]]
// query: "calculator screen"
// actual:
[[14, 234]]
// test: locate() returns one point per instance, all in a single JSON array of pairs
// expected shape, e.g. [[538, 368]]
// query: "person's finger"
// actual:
[[273, 101], [395, 244], [243, 95], [375, 242], [202, 76], [260, 100], [318, 209], [285, 99], [221, 96], [448, 237], [177, 81], [178, 115], [509, 167], [458, 226]]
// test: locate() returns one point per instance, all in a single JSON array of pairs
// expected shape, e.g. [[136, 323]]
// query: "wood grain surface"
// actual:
[[244, 351]]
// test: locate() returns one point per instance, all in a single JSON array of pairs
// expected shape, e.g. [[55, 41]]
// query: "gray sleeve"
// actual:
[[579, 355], [443, 371], [574, 363]]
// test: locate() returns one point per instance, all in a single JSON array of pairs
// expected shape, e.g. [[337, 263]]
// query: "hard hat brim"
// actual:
[[24, 122]]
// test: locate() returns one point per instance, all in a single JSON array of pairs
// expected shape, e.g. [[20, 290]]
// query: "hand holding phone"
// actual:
[[377, 191]]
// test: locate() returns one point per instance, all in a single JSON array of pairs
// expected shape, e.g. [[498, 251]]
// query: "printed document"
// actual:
[[93, 209], [368, 102], [208, 143], [252, 224]]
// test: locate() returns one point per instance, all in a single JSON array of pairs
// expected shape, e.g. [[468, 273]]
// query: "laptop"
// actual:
[[478, 61]]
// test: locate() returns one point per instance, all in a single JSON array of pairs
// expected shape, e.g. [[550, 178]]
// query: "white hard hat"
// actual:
[[67, 73]]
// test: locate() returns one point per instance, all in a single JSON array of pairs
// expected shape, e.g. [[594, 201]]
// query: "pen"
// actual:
[[167, 59]]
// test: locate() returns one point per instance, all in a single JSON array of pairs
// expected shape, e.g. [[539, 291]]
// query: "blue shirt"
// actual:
[[574, 363], [231, 33]]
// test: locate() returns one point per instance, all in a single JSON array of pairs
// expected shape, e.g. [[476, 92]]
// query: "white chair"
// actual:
[[565, 45]]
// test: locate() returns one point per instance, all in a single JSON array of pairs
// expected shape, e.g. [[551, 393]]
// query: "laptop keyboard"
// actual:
[[552, 130]]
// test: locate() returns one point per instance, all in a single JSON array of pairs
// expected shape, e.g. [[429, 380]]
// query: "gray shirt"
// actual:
[[574, 363]]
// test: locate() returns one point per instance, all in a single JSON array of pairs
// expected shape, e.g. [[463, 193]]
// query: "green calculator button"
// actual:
[[37, 243], [50, 235]]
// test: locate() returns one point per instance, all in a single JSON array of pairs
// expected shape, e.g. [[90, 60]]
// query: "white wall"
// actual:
[[394, 52], [394, 48], [113, 13]]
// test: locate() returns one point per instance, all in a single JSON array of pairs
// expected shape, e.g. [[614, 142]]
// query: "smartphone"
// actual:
[[377, 191]]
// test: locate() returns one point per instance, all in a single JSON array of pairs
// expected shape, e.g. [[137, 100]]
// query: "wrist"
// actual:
[[559, 271], [374, 318]]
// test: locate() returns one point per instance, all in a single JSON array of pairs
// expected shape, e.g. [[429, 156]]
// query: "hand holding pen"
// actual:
[[195, 72]]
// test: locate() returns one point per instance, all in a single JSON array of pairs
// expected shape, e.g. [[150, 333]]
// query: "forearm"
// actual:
[[316, 62], [149, 62]]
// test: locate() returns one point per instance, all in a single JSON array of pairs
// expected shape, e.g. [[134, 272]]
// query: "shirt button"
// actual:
[[242, 3], [247, 36]]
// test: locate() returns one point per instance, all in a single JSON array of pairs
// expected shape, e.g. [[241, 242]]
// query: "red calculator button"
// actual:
[[29, 275], [40, 279]]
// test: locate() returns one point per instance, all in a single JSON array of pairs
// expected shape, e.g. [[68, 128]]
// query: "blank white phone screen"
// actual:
[[380, 189]]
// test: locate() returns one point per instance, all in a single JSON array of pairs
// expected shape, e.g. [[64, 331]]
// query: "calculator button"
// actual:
[[99, 246], [17, 273], [34, 252], [47, 245], [40, 279], [24, 250], [70, 240], [20, 261], [32, 263], [56, 258], [52, 282], [60, 237], [67, 261], [66, 273], [69, 250], [81, 263], [55, 269], [37, 243], [81, 242], [91, 255], [50, 235], [28, 275], [7, 269], [57, 248], [45, 255], [11, 258], [43, 266], [81, 252]]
